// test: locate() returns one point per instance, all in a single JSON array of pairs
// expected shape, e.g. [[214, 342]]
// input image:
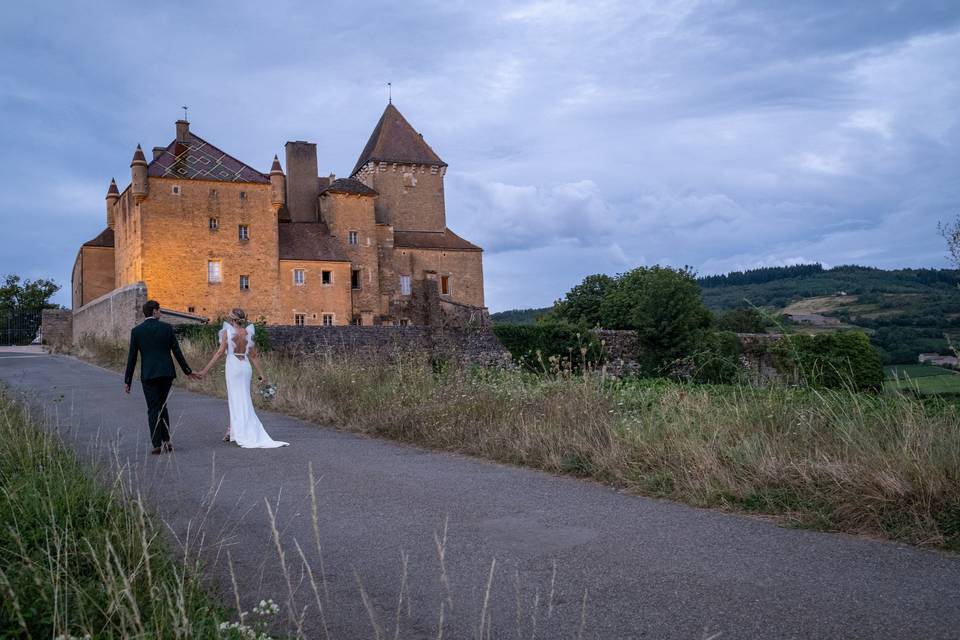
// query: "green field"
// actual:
[[923, 378]]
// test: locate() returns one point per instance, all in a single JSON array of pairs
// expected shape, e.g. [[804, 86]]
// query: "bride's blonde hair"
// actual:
[[237, 316]]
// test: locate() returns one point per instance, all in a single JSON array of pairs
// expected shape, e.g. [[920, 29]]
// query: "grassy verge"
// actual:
[[81, 561], [885, 465]]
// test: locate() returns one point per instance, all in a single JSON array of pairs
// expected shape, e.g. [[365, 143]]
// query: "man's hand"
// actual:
[[126, 388], [195, 376]]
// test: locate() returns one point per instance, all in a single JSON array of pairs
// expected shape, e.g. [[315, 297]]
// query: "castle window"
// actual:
[[244, 232], [214, 224], [175, 189], [328, 319], [214, 271], [445, 285], [353, 238], [298, 277], [299, 319], [409, 180], [326, 277], [404, 322], [190, 309], [243, 195], [244, 283], [355, 279], [404, 285], [213, 193]]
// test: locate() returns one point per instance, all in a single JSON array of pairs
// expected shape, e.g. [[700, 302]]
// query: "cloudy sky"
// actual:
[[582, 137]]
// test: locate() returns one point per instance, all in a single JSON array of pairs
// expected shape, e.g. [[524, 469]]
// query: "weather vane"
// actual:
[[184, 112], [389, 93]]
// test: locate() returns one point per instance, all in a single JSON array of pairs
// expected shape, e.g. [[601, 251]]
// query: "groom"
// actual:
[[154, 340]]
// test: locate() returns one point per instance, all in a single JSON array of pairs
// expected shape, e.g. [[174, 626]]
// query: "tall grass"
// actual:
[[81, 560], [880, 465]]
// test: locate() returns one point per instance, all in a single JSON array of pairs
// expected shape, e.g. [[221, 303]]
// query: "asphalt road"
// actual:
[[649, 568]]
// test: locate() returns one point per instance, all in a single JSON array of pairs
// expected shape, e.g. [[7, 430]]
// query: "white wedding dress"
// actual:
[[245, 427]]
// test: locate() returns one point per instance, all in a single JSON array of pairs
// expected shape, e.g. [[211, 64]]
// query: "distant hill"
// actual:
[[518, 316], [905, 311]]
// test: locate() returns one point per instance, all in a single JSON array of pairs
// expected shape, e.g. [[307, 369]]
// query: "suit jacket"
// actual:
[[154, 341]]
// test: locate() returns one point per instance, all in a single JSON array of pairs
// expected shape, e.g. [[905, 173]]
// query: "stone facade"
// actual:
[[312, 298], [205, 233], [112, 316], [180, 242]]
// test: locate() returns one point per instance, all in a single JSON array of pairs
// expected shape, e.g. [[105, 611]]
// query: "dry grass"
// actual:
[[885, 466]]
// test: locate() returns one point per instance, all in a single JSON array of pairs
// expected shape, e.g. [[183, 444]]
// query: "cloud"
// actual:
[[581, 137]]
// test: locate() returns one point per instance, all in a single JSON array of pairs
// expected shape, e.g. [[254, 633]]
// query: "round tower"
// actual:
[[278, 186], [138, 176], [113, 194]]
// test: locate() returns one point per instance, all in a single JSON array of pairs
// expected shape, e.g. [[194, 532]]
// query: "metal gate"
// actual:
[[18, 326]]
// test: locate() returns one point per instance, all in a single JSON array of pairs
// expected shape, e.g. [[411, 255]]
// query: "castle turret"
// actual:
[[113, 194], [278, 186], [406, 173], [138, 176]]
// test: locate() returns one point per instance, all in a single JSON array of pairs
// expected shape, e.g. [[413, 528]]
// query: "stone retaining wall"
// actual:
[[111, 316], [56, 329], [477, 346]]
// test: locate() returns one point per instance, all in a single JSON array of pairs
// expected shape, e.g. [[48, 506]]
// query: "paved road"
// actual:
[[651, 569]]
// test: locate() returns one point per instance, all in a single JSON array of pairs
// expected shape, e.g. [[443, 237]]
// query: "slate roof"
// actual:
[[309, 241], [394, 140], [445, 239], [197, 159], [350, 185], [105, 239]]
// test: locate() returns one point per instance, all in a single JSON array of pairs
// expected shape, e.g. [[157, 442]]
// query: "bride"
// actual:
[[236, 340]]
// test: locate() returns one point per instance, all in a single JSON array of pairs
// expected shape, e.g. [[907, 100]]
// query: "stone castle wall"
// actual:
[[111, 316], [378, 343], [56, 329]]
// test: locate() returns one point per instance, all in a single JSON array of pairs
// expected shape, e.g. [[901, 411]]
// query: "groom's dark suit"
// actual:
[[154, 341]]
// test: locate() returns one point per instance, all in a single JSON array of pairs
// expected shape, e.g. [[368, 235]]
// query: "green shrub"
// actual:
[[550, 345], [743, 320], [833, 360], [717, 358]]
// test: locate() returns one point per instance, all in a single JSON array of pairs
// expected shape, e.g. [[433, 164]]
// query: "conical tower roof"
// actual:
[[112, 190], [138, 157], [394, 140], [276, 168]]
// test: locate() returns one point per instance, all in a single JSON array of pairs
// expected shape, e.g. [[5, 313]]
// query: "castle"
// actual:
[[206, 233]]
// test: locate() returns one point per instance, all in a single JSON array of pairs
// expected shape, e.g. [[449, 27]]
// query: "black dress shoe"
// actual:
[[168, 447], [156, 451]]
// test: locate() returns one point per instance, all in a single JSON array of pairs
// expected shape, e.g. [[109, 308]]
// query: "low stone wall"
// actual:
[[56, 329], [478, 346], [111, 316]]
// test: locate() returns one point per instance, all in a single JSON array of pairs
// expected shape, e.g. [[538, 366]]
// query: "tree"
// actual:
[[742, 320], [30, 295], [951, 233], [582, 303], [665, 308]]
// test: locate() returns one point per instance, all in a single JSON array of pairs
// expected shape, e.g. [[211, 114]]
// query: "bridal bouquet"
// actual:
[[268, 391]]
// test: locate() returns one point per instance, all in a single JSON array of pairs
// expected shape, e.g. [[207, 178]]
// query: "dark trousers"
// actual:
[[156, 392]]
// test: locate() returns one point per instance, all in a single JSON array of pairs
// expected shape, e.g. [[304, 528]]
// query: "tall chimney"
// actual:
[[302, 184], [183, 131]]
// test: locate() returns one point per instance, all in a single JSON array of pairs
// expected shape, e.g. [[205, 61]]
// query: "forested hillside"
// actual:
[[905, 311]]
